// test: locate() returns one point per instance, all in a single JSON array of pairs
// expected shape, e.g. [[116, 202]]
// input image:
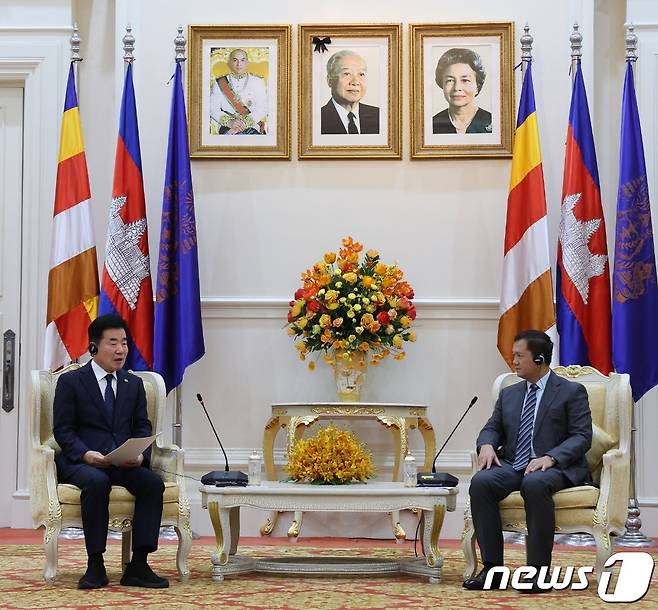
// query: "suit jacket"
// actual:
[[81, 422], [330, 122], [563, 425]]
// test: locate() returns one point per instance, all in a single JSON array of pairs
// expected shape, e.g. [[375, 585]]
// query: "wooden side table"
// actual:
[[297, 416]]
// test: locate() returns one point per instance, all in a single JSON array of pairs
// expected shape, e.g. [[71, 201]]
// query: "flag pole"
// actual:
[[180, 43], [128, 47], [633, 536], [576, 40], [526, 49]]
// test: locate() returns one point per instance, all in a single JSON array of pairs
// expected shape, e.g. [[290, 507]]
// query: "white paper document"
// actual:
[[129, 450]]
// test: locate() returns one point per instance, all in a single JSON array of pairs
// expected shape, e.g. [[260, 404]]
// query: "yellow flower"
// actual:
[[372, 254], [333, 306], [350, 277], [302, 322], [331, 296], [297, 308], [311, 365], [367, 281], [405, 322], [367, 319], [330, 258], [380, 268], [397, 341], [399, 356], [351, 338], [412, 336], [325, 320], [364, 346]]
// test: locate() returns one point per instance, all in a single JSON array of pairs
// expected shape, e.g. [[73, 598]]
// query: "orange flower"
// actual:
[[330, 258]]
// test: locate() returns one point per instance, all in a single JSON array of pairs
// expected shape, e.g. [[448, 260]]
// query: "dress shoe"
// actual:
[[535, 587], [141, 575], [95, 577], [477, 582]]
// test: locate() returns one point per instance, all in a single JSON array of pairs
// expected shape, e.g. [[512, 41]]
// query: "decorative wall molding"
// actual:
[[205, 457], [267, 308]]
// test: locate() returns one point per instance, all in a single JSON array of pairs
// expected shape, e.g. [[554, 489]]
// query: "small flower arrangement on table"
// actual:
[[331, 457], [347, 305]]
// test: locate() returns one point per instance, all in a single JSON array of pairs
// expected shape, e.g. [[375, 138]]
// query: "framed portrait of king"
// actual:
[[349, 91], [239, 91], [462, 90]]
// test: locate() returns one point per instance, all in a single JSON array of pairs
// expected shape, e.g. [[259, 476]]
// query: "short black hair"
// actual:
[[460, 56], [538, 342], [103, 323]]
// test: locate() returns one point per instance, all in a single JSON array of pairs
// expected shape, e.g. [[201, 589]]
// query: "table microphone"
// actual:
[[226, 477], [442, 479]]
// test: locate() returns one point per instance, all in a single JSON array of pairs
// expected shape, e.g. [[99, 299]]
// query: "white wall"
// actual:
[[261, 223]]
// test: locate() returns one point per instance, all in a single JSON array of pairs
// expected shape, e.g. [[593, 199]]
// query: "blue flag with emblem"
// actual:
[[635, 290], [178, 337]]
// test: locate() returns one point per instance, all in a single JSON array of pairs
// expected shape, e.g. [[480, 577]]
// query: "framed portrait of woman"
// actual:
[[462, 93], [239, 91], [349, 91]]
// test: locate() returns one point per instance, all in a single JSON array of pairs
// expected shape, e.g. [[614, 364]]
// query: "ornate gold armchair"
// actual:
[[598, 510], [56, 505]]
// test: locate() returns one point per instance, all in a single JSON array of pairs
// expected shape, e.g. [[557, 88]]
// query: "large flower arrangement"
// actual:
[[350, 305], [331, 457]]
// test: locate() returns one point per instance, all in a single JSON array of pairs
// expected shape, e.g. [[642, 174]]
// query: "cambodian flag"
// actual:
[[126, 285], [634, 286], [178, 330], [583, 273]]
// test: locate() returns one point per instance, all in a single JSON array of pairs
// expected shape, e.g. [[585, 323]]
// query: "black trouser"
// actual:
[[489, 487], [95, 483]]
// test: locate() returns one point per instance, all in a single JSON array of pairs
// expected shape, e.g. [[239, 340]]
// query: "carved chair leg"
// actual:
[[398, 530], [126, 541], [296, 526], [468, 544], [603, 549], [50, 537], [184, 546]]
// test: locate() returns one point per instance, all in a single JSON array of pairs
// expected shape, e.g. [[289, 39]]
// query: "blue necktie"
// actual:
[[109, 397], [524, 438]]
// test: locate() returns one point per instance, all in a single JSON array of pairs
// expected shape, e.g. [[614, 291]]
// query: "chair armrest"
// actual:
[[612, 507], [168, 462], [43, 485]]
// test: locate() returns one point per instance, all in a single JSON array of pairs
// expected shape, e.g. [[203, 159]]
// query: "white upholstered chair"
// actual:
[[600, 509], [56, 505]]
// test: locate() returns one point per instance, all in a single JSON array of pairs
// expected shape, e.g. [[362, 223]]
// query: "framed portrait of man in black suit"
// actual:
[[462, 90], [349, 91], [239, 91]]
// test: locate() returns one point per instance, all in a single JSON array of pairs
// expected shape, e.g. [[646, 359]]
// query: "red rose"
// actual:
[[383, 318], [405, 303], [290, 317], [314, 306], [410, 294], [300, 294], [411, 312]]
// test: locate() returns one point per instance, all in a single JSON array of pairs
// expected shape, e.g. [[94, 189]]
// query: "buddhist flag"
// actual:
[[178, 338], [583, 275], [73, 276], [634, 286], [126, 285], [526, 300]]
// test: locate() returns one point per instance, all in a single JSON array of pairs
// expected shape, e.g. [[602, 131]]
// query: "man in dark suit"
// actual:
[[544, 426], [347, 76], [96, 409]]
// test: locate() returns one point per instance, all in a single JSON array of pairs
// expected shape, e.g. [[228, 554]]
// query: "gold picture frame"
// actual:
[[239, 91], [471, 114], [371, 57]]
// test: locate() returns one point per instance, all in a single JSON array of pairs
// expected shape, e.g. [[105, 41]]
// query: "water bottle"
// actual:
[[410, 471], [255, 464]]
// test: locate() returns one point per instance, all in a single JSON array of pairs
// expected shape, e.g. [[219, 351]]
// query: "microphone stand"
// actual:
[[226, 477], [442, 479]]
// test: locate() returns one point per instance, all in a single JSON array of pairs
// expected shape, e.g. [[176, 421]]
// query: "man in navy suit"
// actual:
[[544, 426], [347, 76], [96, 409]]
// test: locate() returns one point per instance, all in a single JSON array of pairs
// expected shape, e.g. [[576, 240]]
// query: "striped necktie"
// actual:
[[524, 438]]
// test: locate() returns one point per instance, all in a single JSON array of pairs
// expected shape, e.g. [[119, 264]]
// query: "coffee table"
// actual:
[[223, 504]]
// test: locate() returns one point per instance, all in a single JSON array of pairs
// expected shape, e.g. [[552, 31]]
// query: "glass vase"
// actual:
[[350, 374]]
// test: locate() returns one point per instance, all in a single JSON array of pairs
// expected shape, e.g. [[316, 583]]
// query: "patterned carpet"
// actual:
[[21, 585]]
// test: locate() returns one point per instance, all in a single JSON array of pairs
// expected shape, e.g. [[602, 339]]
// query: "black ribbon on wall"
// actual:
[[321, 44]]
